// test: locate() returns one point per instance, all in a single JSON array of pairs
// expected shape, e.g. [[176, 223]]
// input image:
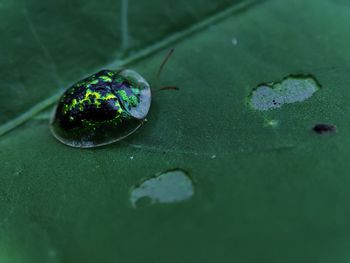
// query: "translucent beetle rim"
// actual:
[[141, 111]]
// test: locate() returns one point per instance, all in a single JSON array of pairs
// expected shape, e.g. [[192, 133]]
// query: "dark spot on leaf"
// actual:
[[324, 128]]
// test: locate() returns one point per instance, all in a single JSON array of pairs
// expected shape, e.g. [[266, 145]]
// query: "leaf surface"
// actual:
[[267, 188]]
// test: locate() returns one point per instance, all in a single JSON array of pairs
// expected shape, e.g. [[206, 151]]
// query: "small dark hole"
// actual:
[[324, 128]]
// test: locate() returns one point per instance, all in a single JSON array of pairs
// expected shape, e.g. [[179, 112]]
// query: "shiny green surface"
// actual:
[[274, 192]]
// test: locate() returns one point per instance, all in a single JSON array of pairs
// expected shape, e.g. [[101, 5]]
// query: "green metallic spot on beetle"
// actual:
[[123, 95], [135, 91], [129, 100], [90, 98], [106, 78], [133, 100]]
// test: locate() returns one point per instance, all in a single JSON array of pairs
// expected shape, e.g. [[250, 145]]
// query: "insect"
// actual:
[[103, 108]]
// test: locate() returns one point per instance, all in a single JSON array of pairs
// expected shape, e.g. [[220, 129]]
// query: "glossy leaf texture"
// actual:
[[266, 187]]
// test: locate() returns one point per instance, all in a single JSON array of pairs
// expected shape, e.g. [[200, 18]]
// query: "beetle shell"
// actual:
[[101, 109]]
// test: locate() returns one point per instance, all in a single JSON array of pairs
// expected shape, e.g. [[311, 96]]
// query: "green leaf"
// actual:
[[47, 46], [266, 187]]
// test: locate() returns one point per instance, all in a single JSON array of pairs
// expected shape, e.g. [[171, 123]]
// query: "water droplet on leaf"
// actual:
[[169, 187], [294, 88], [234, 41], [271, 123]]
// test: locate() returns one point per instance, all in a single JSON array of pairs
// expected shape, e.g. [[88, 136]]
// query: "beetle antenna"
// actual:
[[165, 60]]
